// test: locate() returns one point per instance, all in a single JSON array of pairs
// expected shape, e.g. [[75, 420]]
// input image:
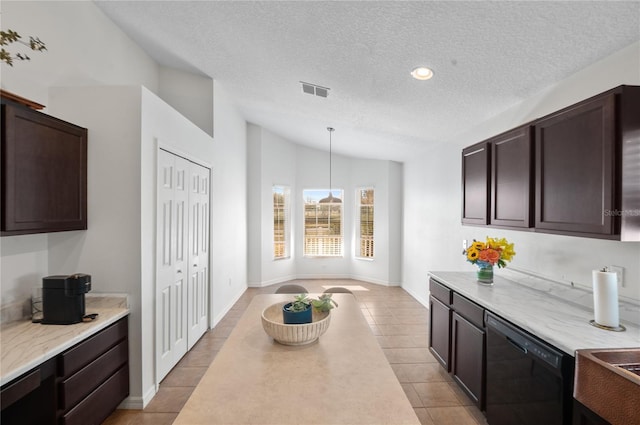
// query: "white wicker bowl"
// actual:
[[301, 334]]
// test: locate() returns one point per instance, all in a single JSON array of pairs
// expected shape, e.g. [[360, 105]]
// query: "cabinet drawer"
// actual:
[[87, 379], [469, 310], [440, 292], [99, 404], [90, 349], [20, 388]]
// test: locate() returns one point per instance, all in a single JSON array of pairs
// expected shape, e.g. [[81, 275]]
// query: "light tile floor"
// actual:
[[401, 325]]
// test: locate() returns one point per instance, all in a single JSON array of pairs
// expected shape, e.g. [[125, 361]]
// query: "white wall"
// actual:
[[83, 48], [383, 177], [109, 250], [277, 161], [254, 204], [86, 49], [271, 162], [432, 230], [229, 203], [189, 94]]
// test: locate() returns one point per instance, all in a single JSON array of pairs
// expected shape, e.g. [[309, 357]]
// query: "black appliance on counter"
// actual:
[[63, 298], [529, 382]]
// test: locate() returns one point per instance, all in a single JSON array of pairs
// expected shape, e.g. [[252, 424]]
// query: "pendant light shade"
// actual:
[[330, 199]]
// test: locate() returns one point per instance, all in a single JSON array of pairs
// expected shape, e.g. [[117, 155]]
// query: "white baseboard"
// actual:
[[421, 298], [138, 403], [229, 306], [271, 282], [321, 276], [374, 281]]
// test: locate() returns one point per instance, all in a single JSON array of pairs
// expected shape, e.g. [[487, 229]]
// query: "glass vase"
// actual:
[[485, 275]]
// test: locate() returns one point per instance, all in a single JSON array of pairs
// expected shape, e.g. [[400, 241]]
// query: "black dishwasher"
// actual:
[[529, 382]]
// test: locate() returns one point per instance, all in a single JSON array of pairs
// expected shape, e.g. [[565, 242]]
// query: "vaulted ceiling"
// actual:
[[486, 56]]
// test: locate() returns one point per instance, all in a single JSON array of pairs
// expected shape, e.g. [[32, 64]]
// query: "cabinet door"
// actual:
[[511, 179], [468, 354], [582, 415], [440, 332], [44, 173], [575, 169], [475, 184]]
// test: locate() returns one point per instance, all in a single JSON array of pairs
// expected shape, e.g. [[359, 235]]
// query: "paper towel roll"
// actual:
[[605, 298]]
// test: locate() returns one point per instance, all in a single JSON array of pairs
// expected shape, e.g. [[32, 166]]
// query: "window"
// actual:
[[322, 223], [364, 198], [281, 222]]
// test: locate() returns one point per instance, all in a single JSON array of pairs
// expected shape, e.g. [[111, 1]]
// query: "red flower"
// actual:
[[489, 255]]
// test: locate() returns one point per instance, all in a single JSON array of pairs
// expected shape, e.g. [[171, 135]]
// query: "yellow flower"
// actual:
[[477, 245], [472, 253], [508, 252], [498, 244]]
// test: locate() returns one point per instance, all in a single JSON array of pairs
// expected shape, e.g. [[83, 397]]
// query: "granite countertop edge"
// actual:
[[561, 323]]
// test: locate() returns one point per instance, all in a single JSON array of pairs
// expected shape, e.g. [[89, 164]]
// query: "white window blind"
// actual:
[[323, 223], [281, 222], [364, 199]]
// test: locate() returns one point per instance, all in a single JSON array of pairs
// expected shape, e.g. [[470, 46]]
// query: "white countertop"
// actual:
[[553, 312], [24, 345], [342, 378]]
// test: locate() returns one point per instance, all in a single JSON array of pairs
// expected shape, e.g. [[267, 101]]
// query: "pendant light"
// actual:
[[330, 199]]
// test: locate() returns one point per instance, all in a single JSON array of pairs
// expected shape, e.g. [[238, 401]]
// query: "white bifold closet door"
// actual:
[[182, 272], [198, 287]]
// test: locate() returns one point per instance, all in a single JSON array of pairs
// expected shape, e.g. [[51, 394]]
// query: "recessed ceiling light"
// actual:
[[422, 73]]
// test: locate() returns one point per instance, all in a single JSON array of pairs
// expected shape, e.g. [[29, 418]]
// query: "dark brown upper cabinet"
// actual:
[[475, 184], [588, 167], [43, 164], [574, 172], [512, 178], [575, 169]]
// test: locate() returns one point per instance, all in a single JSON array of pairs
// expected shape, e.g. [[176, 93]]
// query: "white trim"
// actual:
[[423, 301], [374, 281], [264, 283], [215, 320], [138, 403], [172, 149]]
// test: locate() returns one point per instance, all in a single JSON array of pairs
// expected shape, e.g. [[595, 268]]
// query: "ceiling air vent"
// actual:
[[309, 88]]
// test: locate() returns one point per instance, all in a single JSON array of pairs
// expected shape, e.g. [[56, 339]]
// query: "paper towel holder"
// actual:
[[618, 328]]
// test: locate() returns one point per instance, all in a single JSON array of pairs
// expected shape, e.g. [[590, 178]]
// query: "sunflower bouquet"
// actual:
[[490, 253]]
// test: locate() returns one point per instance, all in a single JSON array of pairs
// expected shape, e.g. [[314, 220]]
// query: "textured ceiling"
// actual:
[[487, 57]]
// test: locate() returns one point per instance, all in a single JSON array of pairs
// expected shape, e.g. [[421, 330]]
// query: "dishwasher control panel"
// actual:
[[525, 342]]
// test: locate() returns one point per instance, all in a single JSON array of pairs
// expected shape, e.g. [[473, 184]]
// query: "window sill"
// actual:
[[370, 259]]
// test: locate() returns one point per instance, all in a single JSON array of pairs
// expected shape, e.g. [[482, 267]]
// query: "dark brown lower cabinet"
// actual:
[[582, 415], [469, 348], [99, 404], [468, 358], [80, 386], [94, 376], [457, 339], [439, 332], [31, 398]]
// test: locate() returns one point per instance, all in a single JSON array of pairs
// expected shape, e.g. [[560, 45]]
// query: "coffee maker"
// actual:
[[63, 298]]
